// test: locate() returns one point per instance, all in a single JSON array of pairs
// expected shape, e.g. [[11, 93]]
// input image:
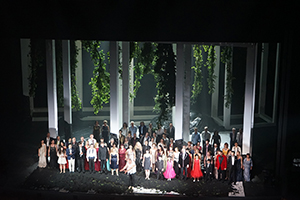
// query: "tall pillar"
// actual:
[[51, 88], [67, 88], [78, 71], [263, 79], [249, 99], [179, 92], [187, 92], [125, 82], [114, 84], [131, 82], [215, 94], [226, 110]]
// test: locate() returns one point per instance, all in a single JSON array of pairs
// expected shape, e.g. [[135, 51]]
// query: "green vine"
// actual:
[[59, 73], [226, 58], [164, 74], [210, 64], [197, 85], [100, 82], [37, 60]]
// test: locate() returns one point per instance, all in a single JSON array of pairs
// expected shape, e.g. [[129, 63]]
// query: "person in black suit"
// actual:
[[81, 154], [208, 170], [171, 131], [103, 157], [48, 140], [184, 162], [231, 166], [215, 150], [134, 140], [232, 137], [206, 147], [159, 167], [142, 129]]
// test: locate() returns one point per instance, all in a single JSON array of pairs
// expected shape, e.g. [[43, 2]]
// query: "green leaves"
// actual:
[[100, 82], [226, 58], [197, 85]]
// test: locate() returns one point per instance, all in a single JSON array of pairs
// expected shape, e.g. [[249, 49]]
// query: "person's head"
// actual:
[[165, 131], [159, 158], [183, 148], [92, 146], [102, 140], [87, 143], [147, 151], [153, 145], [198, 144], [220, 153], [126, 140], [73, 139], [102, 144], [69, 140], [129, 134], [160, 148], [58, 137], [82, 138], [215, 145], [122, 146], [236, 144], [129, 160], [134, 135], [197, 156], [248, 155], [169, 158], [171, 140], [132, 123], [196, 130], [233, 130], [96, 145], [208, 153], [62, 143], [197, 150], [146, 134], [125, 125], [70, 146], [162, 141], [226, 145], [146, 142], [208, 161], [170, 148], [189, 143], [171, 125], [164, 136], [52, 141], [120, 132], [150, 125], [176, 149], [80, 144], [130, 146], [112, 140], [42, 142], [105, 122], [96, 122], [205, 128], [154, 134], [142, 123], [91, 136], [216, 132], [238, 153], [207, 141], [232, 153], [48, 134], [229, 152], [114, 145], [61, 148]]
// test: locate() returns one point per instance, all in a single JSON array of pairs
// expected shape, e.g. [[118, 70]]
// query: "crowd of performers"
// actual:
[[153, 152]]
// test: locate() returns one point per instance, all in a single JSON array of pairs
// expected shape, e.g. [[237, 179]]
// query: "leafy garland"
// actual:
[[164, 74], [226, 58], [100, 82], [197, 85], [211, 64], [59, 73]]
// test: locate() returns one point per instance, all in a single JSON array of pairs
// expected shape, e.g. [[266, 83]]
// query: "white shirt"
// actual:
[[236, 149], [92, 153], [133, 169], [92, 141], [47, 142], [232, 160]]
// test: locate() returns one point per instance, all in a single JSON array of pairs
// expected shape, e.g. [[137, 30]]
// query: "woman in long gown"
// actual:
[[147, 164], [86, 163], [169, 172], [114, 160], [196, 170], [153, 156], [176, 159], [105, 131], [97, 163], [239, 167], [138, 153], [248, 164], [42, 155], [52, 154], [96, 131], [122, 157]]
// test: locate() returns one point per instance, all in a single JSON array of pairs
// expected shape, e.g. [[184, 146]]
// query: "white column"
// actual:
[[215, 94], [131, 82], [249, 99], [187, 92], [226, 111], [125, 81], [114, 107], [51, 88], [78, 71], [179, 92]]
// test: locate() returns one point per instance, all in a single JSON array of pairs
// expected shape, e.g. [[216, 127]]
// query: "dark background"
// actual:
[[198, 21]]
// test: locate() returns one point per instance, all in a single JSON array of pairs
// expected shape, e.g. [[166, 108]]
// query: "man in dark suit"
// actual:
[[142, 129], [134, 140], [208, 170], [47, 141], [184, 162], [232, 138], [159, 167], [171, 131], [215, 150], [103, 157], [81, 153], [221, 165], [206, 147], [231, 163]]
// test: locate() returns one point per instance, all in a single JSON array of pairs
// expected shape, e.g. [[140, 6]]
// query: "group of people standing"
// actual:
[[154, 151]]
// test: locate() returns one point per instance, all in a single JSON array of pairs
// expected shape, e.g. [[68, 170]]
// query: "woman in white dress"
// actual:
[[130, 153], [153, 151], [42, 155], [61, 154]]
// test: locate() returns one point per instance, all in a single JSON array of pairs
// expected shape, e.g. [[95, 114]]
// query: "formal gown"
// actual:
[[147, 162], [189, 170], [138, 162], [105, 133], [247, 166], [42, 157], [97, 163], [169, 173], [239, 171], [114, 161], [196, 172], [53, 157], [62, 159], [122, 156]]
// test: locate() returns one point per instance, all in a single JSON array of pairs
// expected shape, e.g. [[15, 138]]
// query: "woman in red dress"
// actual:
[[86, 164], [122, 157], [97, 163], [196, 170]]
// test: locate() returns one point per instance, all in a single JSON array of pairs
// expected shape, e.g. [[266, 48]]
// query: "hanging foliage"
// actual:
[[164, 74], [210, 64], [59, 73], [76, 101], [226, 58], [100, 82], [37, 60], [197, 85]]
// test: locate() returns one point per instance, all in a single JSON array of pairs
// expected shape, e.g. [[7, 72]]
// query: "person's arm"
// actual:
[[143, 161], [110, 158], [242, 164], [123, 168], [117, 158]]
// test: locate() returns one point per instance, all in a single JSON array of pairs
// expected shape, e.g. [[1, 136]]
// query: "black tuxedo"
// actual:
[[204, 149], [231, 169], [171, 132], [208, 171], [214, 151], [232, 139], [134, 141], [144, 129], [184, 160], [159, 166], [47, 147], [80, 158]]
